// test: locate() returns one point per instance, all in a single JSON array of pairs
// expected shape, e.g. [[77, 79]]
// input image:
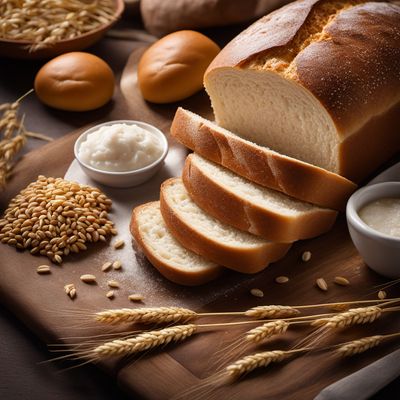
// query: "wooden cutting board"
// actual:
[[43, 306]]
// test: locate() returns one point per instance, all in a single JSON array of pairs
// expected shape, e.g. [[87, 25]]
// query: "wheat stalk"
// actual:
[[267, 330], [271, 311], [359, 345], [354, 316], [146, 315], [144, 341]]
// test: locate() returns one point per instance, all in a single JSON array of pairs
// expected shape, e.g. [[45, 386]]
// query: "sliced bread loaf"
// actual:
[[247, 206], [260, 164], [203, 234], [176, 263]]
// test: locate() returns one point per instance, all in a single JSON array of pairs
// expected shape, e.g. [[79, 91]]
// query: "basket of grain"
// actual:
[[35, 29]]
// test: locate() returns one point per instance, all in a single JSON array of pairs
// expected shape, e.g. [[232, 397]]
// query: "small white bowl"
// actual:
[[123, 179], [380, 252]]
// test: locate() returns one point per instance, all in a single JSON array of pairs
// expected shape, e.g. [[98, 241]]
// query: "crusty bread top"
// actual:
[[345, 52]]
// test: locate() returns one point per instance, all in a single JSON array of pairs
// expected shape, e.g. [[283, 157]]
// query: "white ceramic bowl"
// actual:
[[380, 252], [127, 178]]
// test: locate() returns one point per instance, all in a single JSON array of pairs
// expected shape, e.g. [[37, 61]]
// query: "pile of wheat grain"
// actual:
[[45, 22], [54, 217]]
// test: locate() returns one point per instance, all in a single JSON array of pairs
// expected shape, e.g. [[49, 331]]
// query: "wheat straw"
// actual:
[[144, 341], [145, 315], [267, 330]]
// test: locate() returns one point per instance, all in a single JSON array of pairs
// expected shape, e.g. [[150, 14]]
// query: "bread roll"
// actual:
[[173, 67], [316, 80], [75, 81]]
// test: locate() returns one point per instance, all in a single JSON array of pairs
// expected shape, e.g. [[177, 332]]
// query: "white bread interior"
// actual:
[[265, 108]]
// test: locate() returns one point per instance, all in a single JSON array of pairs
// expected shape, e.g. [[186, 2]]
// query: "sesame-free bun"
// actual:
[[75, 81], [173, 67]]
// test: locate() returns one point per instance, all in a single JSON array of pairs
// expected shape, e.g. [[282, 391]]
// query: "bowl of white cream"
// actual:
[[373, 218], [121, 153]]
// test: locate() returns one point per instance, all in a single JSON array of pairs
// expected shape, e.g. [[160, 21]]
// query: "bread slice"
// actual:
[[260, 164], [205, 235], [176, 263], [247, 206]]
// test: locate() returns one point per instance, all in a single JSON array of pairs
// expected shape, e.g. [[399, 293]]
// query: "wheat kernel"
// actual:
[[306, 256], [117, 264], [43, 269], [342, 281], [281, 279], [382, 295], [257, 292], [113, 284], [106, 266], [110, 294], [119, 244], [135, 297], [88, 278], [321, 283]]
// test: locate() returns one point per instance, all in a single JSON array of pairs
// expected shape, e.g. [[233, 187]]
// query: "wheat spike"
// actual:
[[258, 360], [272, 311], [267, 330], [144, 341], [354, 316], [146, 315], [359, 345]]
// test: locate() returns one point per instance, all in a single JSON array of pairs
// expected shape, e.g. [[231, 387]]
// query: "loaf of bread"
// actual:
[[173, 261], [261, 165], [162, 16], [172, 68], [75, 81], [317, 80], [247, 206], [207, 236]]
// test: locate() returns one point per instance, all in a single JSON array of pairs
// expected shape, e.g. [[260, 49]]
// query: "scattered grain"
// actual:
[[106, 266], [257, 292], [382, 295], [306, 256], [88, 278], [43, 269], [110, 294], [113, 284], [119, 244], [117, 265], [342, 281], [321, 283], [70, 290], [135, 297], [281, 279]]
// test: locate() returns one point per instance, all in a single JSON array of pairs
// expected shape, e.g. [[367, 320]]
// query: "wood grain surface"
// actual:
[[42, 305]]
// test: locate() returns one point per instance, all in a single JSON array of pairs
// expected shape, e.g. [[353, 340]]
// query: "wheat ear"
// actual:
[[359, 345], [258, 360], [144, 341], [354, 316], [267, 330], [145, 315], [272, 311]]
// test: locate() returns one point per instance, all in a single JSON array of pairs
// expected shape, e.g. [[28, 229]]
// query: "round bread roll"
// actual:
[[173, 67], [75, 81]]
